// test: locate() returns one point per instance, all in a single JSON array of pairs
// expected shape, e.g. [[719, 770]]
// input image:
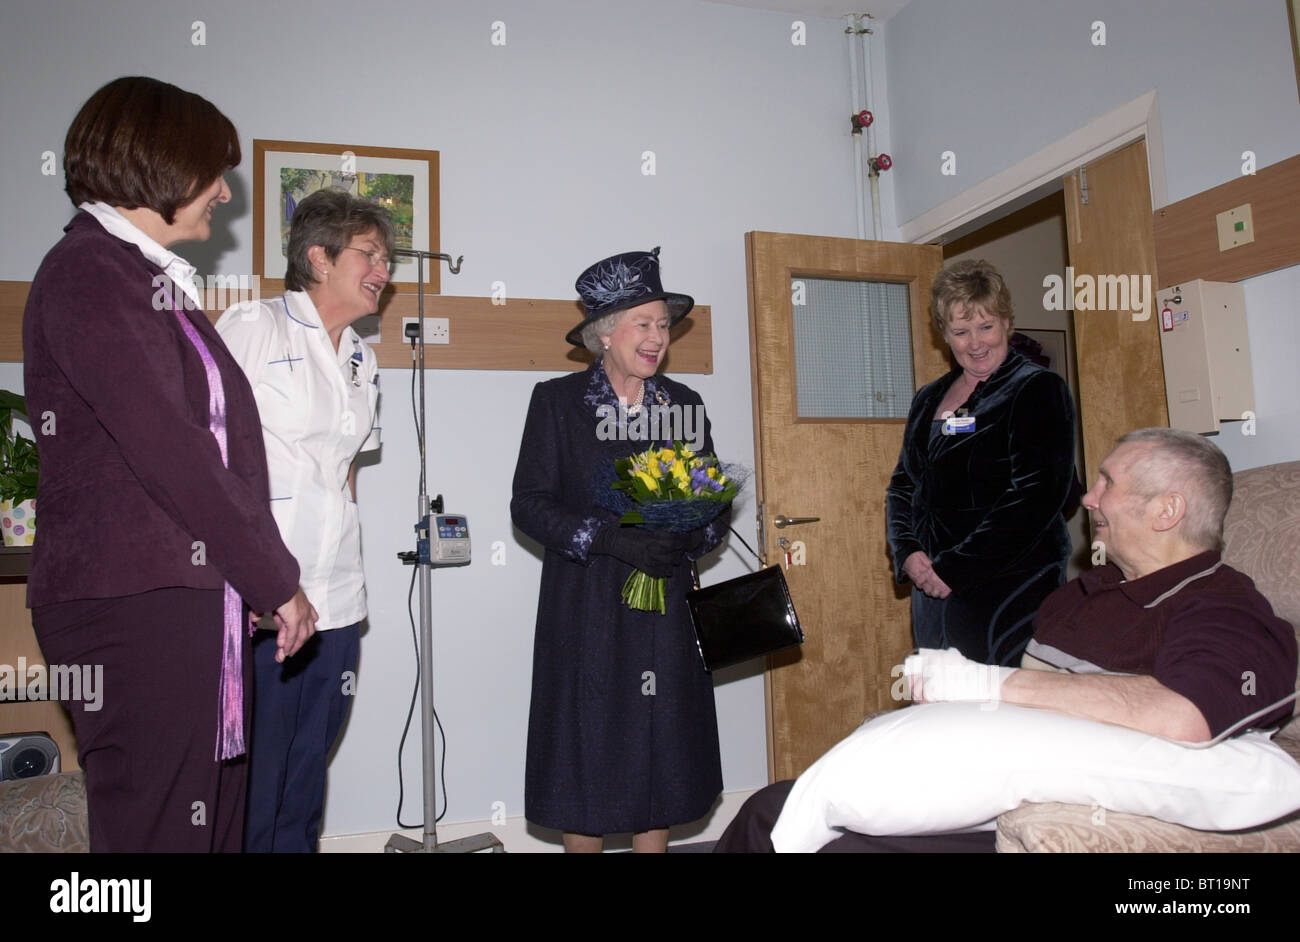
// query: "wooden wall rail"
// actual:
[[522, 334], [1187, 242]]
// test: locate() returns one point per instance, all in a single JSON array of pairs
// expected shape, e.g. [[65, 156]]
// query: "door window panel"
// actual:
[[853, 348]]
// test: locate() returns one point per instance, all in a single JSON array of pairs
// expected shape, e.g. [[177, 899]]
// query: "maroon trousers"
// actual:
[[147, 737]]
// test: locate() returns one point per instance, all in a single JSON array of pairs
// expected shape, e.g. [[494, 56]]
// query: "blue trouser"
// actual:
[[298, 708], [990, 622]]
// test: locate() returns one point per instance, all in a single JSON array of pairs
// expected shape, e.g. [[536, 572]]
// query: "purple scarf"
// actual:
[[230, 732]]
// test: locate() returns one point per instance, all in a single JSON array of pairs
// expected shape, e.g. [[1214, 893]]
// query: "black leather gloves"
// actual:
[[654, 552]]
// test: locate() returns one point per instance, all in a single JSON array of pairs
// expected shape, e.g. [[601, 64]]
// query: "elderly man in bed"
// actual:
[[1163, 639]]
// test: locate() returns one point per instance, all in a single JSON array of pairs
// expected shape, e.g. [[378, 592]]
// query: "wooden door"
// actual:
[[1121, 374], [857, 621]]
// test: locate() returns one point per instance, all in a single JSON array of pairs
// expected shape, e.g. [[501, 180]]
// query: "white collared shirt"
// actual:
[[174, 267], [318, 411]]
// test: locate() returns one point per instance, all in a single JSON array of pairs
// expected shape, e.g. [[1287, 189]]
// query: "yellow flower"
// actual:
[[667, 454], [713, 472], [647, 480], [679, 470]]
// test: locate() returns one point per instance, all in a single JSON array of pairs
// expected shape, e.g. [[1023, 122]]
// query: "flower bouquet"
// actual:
[[668, 488]]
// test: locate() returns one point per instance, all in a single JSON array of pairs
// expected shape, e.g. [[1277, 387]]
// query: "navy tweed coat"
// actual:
[[622, 732]]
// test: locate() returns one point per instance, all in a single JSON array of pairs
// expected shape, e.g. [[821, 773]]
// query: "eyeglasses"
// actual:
[[374, 257]]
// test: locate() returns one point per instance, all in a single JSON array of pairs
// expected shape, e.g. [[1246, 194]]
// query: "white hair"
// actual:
[[1192, 465], [593, 330]]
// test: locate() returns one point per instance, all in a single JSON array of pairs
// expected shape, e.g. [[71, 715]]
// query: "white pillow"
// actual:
[[937, 767]]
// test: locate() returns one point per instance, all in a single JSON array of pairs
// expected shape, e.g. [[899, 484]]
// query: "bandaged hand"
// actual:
[[936, 675]]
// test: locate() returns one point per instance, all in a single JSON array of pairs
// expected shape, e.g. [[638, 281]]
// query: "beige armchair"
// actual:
[[1262, 534]]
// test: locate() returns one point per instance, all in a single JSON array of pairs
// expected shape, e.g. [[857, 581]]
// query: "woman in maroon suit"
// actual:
[[156, 528]]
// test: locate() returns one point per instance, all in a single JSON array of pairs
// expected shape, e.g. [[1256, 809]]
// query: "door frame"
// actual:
[[1025, 182]]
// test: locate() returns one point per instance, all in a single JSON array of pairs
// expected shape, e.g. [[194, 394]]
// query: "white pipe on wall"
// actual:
[[850, 33], [865, 38]]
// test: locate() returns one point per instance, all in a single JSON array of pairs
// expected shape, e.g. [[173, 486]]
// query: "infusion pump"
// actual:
[[443, 539]]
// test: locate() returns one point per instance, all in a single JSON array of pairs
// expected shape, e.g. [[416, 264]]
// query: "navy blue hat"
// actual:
[[623, 281]]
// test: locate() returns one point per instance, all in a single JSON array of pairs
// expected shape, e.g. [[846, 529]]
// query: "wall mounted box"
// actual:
[[1206, 351]]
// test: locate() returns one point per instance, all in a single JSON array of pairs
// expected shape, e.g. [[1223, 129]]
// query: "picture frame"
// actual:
[[1054, 346], [1293, 16], [404, 179]]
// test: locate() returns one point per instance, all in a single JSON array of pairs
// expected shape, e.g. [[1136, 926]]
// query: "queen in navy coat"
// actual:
[[622, 731]]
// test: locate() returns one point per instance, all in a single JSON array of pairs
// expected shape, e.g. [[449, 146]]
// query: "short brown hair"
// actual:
[[139, 142], [331, 219], [970, 283]]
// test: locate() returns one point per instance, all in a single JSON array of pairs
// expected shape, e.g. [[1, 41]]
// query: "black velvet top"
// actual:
[[986, 503]]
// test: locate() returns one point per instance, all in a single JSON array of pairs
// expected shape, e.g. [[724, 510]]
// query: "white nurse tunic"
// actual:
[[318, 412]]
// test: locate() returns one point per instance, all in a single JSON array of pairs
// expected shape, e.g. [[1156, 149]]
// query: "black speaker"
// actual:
[[27, 755]]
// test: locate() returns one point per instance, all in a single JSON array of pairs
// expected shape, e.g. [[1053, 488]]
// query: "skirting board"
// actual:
[[521, 838]]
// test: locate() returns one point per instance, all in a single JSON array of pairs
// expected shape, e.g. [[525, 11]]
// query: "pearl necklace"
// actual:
[[635, 407]]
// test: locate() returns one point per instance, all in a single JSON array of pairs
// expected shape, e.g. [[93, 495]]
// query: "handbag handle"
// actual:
[[746, 545], [695, 570]]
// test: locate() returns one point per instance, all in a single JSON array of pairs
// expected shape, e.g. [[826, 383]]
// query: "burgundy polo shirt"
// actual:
[[1199, 627]]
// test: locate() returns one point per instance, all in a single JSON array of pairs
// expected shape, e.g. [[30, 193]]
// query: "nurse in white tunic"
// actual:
[[316, 385]]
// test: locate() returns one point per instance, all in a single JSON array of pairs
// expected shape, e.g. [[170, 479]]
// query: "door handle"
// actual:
[[782, 521]]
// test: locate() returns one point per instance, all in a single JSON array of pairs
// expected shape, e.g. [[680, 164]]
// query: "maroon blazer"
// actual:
[[131, 478]]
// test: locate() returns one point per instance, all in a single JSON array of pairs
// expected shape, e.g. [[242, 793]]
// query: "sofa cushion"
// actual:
[[1262, 535], [44, 814], [1052, 827]]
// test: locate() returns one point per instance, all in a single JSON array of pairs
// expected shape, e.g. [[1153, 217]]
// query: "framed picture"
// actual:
[[404, 181], [1293, 14], [1050, 344]]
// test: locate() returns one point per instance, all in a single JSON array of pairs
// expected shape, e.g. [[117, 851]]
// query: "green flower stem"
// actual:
[[645, 593]]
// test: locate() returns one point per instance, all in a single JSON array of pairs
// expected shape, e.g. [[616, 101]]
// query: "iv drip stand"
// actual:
[[400, 843]]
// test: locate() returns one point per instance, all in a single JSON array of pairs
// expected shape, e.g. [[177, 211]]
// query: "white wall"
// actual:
[[1273, 319], [541, 144], [998, 80]]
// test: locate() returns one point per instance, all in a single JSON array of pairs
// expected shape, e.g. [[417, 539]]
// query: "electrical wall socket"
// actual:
[[436, 329]]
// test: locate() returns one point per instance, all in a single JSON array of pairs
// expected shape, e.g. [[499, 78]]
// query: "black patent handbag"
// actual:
[[743, 618]]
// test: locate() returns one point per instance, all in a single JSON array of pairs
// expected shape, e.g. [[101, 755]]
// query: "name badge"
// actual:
[[958, 424]]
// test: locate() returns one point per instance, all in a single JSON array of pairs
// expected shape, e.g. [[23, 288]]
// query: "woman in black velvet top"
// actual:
[[975, 503]]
